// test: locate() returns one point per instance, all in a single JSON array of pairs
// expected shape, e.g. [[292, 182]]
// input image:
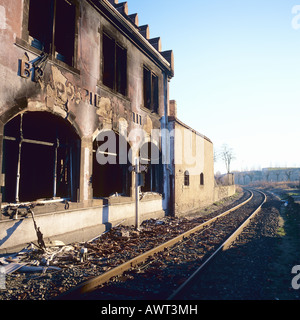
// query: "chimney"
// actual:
[[173, 108]]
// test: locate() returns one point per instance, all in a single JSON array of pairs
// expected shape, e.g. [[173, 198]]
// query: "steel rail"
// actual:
[[224, 246], [91, 284]]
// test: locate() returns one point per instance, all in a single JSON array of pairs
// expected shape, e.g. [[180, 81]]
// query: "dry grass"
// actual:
[[274, 185], [238, 189]]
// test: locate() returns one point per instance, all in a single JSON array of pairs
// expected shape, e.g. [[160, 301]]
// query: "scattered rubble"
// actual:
[[44, 273], [57, 267]]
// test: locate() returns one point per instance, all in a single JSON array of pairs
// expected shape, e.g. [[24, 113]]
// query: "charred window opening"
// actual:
[[150, 156], [51, 28], [202, 179], [40, 24], [154, 93], [147, 88], [114, 65], [186, 178], [40, 158], [150, 90], [108, 61], [112, 177], [121, 70], [65, 31]]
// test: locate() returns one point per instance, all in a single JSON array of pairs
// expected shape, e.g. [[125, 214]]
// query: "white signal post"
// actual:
[[137, 192]]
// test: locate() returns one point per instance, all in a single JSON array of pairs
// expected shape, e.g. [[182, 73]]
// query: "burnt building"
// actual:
[[84, 93], [71, 70]]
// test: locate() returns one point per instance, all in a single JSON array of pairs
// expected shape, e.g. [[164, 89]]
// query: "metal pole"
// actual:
[[55, 168], [19, 160], [137, 196], [71, 174]]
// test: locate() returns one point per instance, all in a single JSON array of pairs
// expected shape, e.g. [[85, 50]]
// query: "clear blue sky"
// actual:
[[237, 73]]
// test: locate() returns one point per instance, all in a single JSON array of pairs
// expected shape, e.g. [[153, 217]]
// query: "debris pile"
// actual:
[[33, 259], [44, 272]]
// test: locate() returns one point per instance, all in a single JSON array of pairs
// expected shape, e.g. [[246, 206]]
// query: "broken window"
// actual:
[[186, 178], [108, 61], [151, 159], [147, 88], [65, 31], [154, 106], [114, 65], [40, 158], [202, 179], [112, 177], [40, 24], [150, 90], [121, 70], [51, 28]]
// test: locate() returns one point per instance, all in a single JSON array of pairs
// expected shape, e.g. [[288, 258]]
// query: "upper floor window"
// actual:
[[114, 65], [186, 178], [150, 90], [51, 28]]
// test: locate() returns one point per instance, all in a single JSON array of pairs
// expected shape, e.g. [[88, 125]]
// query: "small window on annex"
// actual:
[[186, 178], [114, 71], [150, 90], [202, 179], [52, 28]]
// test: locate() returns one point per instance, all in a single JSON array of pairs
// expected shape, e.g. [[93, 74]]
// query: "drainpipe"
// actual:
[[166, 147]]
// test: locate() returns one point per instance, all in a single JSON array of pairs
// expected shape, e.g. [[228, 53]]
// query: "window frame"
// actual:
[[150, 90], [26, 40], [186, 178], [119, 70], [202, 179]]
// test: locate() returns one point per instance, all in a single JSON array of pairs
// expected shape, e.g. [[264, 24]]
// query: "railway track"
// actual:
[[224, 246], [164, 271]]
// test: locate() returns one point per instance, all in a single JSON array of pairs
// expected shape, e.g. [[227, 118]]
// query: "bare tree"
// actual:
[[267, 176], [227, 156], [251, 175], [215, 156], [288, 174]]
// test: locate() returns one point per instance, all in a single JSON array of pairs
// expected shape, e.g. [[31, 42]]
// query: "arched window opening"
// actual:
[[151, 159], [112, 177], [40, 158], [186, 178]]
